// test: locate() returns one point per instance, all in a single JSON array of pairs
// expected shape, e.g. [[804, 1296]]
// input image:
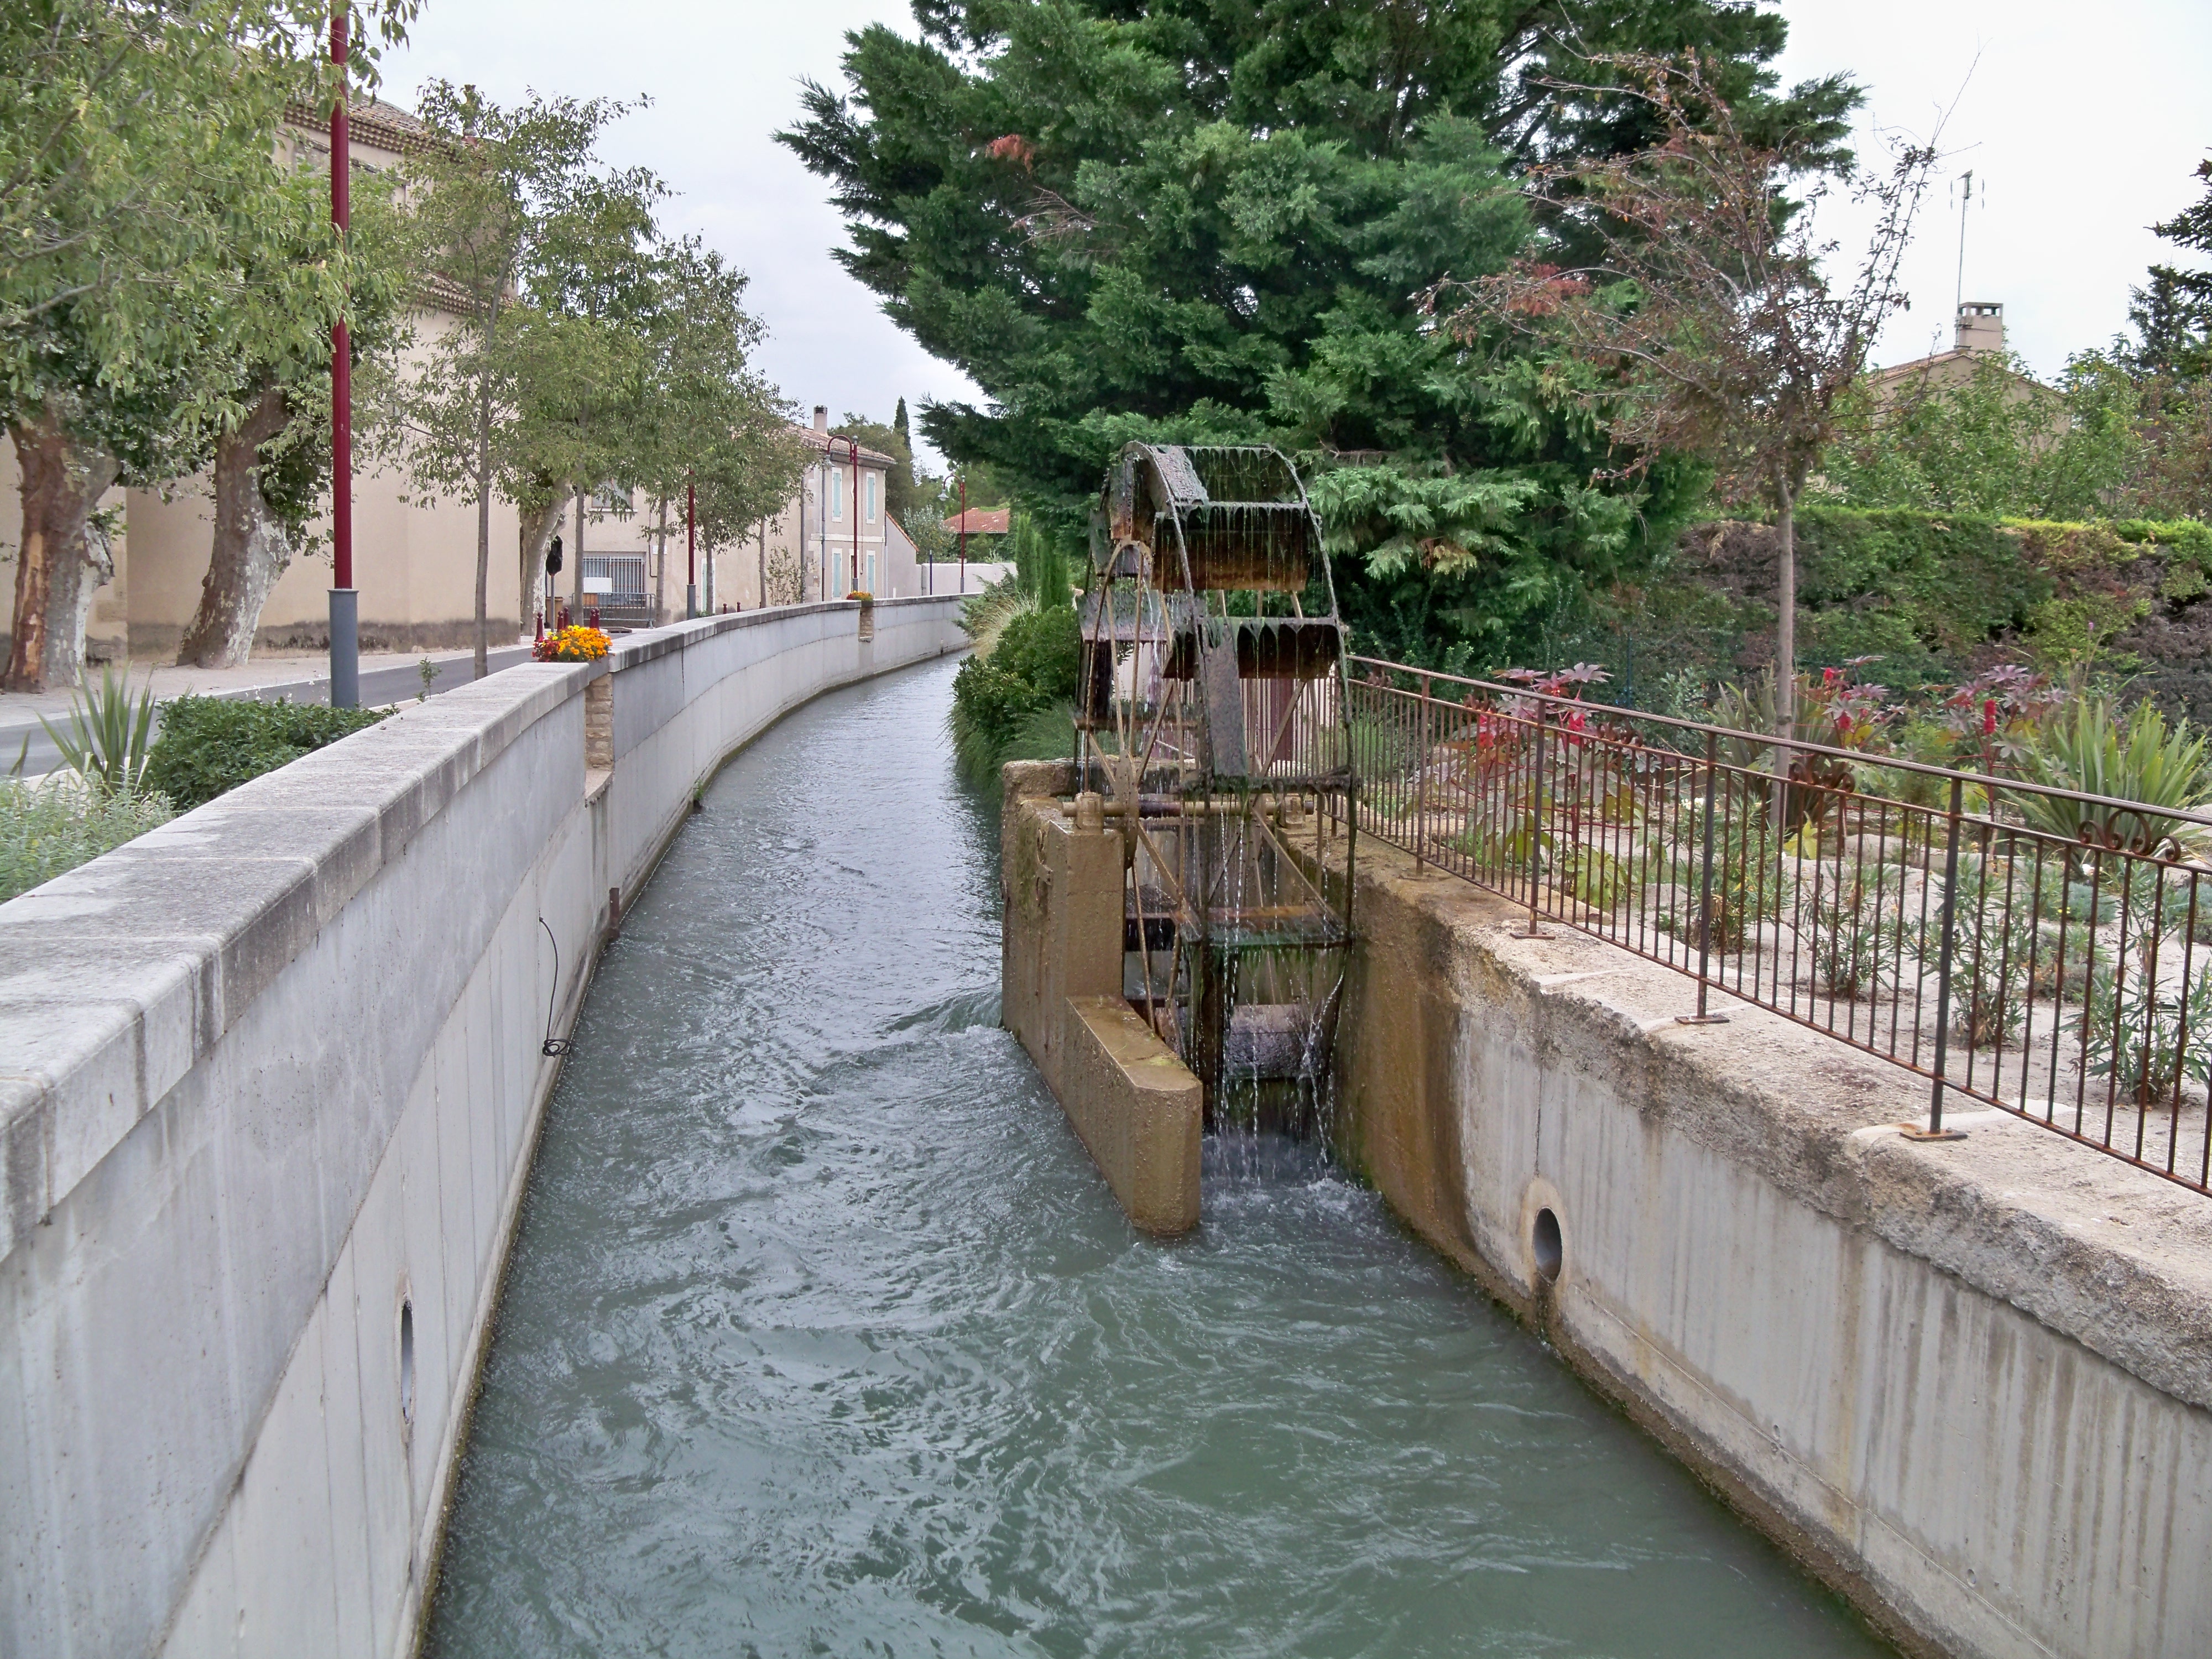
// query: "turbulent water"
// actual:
[[823, 1337]]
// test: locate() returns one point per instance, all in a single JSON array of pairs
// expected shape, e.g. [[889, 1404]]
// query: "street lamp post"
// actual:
[[345, 602], [690, 548]]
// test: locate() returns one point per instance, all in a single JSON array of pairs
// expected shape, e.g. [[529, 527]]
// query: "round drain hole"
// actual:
[[407, 1363], [1550, 1251]]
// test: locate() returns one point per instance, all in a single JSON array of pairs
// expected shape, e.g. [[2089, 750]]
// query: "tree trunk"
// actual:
[[1785, 601], [537, 530], [660, 571], [251, 548], [577, 564], [62, 482], [482, 663]]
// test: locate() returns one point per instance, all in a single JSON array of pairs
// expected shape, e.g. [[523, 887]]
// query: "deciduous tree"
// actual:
[[512, 211], [1705, 319], [137, 161]]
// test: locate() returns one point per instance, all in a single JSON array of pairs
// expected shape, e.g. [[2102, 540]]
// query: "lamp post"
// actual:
[[345, 602], [964, 532], [690, 548]]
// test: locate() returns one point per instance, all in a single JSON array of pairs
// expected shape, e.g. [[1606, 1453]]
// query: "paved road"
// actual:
[[401, 681]]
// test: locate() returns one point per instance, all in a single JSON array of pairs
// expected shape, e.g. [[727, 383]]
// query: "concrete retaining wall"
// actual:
[[1135, 1106], [1969, 1384], [269, 1081]]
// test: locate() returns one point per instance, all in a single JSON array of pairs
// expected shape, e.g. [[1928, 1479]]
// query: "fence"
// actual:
[[2035, 950]]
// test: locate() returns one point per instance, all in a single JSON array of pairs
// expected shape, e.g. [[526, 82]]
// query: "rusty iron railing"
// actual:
[[2042, 951]]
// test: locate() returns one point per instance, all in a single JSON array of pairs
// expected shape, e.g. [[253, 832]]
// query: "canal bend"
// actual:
[[822, 1335]]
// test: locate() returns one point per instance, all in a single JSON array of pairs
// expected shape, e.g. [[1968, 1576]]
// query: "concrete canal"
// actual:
[[822, 1335]]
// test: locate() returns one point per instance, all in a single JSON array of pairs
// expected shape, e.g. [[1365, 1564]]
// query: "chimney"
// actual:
[[822, 412], [1981, 327]]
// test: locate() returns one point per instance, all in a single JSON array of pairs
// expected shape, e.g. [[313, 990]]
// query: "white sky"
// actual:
[[2084, 122]]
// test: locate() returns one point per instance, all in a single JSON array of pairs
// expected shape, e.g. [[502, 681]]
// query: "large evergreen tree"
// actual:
[[1195, 219]]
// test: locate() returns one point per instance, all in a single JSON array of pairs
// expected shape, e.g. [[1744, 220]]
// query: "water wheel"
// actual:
[[1212, 719]]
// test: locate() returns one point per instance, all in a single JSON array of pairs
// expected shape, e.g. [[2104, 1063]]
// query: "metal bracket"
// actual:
[[1701, 1019], [1914, 1132]]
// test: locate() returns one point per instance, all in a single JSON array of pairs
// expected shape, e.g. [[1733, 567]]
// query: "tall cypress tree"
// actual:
[[1195, 220]]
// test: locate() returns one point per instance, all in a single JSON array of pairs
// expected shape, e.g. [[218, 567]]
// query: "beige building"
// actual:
[[1979, 330], [835, 535], [415, 560]]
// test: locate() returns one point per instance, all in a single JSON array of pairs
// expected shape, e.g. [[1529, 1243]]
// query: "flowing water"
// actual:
[[822, 1336]]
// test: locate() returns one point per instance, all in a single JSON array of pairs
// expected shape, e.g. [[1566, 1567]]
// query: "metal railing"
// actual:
[[2042, 951]]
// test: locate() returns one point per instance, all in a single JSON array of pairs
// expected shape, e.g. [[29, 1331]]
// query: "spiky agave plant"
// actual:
[[110, 736], [2093, 750]]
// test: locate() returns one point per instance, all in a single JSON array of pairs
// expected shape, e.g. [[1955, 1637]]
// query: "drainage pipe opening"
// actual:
[[1550, 1251], [407, 1364]]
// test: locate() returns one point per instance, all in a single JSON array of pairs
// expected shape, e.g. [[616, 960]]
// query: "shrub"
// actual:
[[46, 829], [997, 698], [2139, 756], [211, 745]]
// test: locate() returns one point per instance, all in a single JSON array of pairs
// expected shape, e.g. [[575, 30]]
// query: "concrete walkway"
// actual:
[[386, 678]]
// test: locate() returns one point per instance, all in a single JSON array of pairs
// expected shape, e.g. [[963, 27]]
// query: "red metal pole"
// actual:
[[345, 616]]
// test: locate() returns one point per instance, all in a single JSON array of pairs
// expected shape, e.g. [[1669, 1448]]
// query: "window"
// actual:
[[871, 497], [837, 494]]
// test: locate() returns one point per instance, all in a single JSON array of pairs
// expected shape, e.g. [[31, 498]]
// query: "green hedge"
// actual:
[[50, 827], [1934, 597], [211, 745], [1009, 700]]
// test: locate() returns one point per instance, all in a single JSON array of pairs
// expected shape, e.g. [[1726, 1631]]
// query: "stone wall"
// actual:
[[1969, 1384], [270, 1078]]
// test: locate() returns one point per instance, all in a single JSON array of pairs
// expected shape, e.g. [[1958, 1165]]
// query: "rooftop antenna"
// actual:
[[1965, 196]]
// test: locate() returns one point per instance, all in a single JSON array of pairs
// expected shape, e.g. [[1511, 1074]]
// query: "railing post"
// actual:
[[1947, 921], [1421, 780], [1705, 1016], [1536, 830]]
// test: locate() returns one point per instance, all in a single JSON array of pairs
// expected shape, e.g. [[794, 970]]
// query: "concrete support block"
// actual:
[[1138, 1109]]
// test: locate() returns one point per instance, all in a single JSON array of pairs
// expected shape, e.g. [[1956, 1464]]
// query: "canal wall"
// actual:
[[270, 1079], [1969, 1383]]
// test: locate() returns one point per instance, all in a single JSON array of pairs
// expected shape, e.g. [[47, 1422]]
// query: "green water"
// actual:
[[823, 1337]]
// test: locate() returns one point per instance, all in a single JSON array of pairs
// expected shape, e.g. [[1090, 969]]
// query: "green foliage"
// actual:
[[46, 829], [108, 739], [2090, 747], [1931, 597], [1191, 223], [211, 745], [997, 697], [1996, 444]]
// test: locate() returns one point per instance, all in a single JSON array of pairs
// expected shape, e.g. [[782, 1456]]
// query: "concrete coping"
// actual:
[[118, 976], [645, 644], [2115, 1257]]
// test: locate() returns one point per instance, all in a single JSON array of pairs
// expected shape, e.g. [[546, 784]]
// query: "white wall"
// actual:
[[274, 1071]]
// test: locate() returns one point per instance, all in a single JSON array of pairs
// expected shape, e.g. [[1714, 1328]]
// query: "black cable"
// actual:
[[554, 1047]]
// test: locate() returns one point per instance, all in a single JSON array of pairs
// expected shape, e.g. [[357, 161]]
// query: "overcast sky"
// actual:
[[2084, 122]]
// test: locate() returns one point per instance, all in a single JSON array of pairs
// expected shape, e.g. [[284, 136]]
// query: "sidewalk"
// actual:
[[386, 678]]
